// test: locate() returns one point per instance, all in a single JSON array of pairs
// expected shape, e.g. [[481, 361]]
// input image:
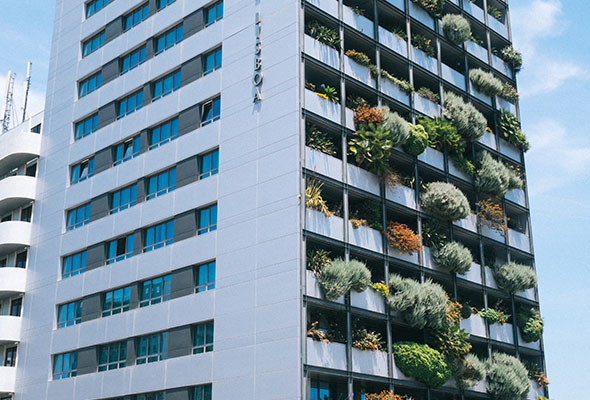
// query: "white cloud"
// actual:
[[547, 75], [35, 103]]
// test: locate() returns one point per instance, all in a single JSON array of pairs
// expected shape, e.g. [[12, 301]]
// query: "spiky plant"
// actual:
[[456, 28], [454, 257], [485, 82], [446, 201], [506, 378], [469, 371], [513, 277], [470, 123], [495, 178]]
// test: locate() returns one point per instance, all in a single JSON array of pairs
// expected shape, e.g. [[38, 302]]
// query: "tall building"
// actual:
[[203, 166]]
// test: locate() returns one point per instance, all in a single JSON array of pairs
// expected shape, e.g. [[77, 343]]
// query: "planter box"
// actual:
[[528, 294], [501, 66], [480, 387], [485, 98], [393, 42], [519, 240], [313, 288], [421, 15], [402, 195], [474, 10], [473, 275], [457, 172], [358, 72], [477, 51], [469, 223], [426, 106], [398, 3], [365, 237], [358, 22], [502, 104], [368, 300], [370, 362], [490, 281], [535, 391], [488, 139], [475, 325], [322, 52], [322, 107], [317, 222], [433, 157], [454, 77], [349, 119], [428, 261], [502, 333], [323, 164], [363, 179], [498, 26], [492, 234], [510, 150], [413, 258], [392, 90], [327, 355], [533, 345], [516, 196], [425, 61], [329, 6]]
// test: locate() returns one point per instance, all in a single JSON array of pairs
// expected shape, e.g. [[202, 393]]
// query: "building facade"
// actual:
[[176, 251]]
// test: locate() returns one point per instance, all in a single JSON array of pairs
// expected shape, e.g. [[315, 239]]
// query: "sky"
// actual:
[[554, 85]]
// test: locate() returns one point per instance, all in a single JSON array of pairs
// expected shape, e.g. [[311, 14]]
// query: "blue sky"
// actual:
[[554, 86]]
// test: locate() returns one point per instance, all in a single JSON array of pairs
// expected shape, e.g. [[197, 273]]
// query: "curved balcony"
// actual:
[[12, 281], [18, 147], [10, 328], [14, 235], [7, 379], [16, 191]]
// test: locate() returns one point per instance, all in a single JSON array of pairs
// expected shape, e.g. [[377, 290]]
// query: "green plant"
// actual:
[[434, 234], [428, 94], [509, 93], [400, 33], [358, 57], [329, 93], [493, 177], [317, 259], [320, 140], [506, 378], [314, 199], [403, 84], [360, 276], [477, 40], [454, 257], [338, 277], [401, 237], [324, 34], [530, 323], [372, 146], [417, 142], [512, 277], [423, 43], [421, 362], [470, 123], [434, 7], [364, 339], [469, 371], [445, 200], [512, 57], [370, 212], [380, 288], [452, 342], [397, 126], [456, 28], [494, 12], [536, 373], [385, 395], [509, 128], [485, 82], [494, 316], [422, 304], [357, 103]]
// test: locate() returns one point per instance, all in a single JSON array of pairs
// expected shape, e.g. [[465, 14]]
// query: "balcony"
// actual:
[[475, 325], [498, 26], [402, 195], [365, 237], [370, 362], [476, 50], [473, 275], [426, 107], [319, 223], [17, 147], [480, 96], [392, 90], [519, 240], [12, 281], [358, 22], [14, 235], [393, 42], [433, 157], [7, 379], [502, 104], [329, 6], [358, 72], [509, 150], [516, 196], [424, 60], [398, 3], [501, 66], [453, 77], [322, 52], [363, 179], [368, 300], [16, 191], [326, 355], [322, 107], [474, 10], [502, 333], [323, 164], [421, 15], [10, 329], [488, 139]]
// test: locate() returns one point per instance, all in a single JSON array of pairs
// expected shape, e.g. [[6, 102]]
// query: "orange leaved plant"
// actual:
[[368, 116], [492, 215], [401, 237], [385, 395]]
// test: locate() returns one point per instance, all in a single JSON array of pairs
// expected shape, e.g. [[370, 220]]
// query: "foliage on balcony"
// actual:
[[494, 12], [380, 288], [477, 41], [446, 201], [358, 57], [452, 342], [536, 373], [366, 213], [470, 123], [314, 199], [401, 237], [469, 372], [364, 116], [512, 57], [417, 142], [434, 234], [423, 305], [510, 130], [338, 277], [322, 33], [364, 339], [506, 377], [421, 362], [400, 33], [454, 257], [456, 28], [491, 215], [397, 126], [485, 82], [513, 277], [319, 140], [357, 103], [530, 323], [495, 178], [428, 95], [324, 91], [403, 84], [434, 7], [385, 395], [493, 315], [317, 259], [509, 93], [423, 43], [317, 334]]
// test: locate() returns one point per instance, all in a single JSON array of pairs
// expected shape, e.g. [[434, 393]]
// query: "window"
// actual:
[[123, 199], [120, 249], [205, 277], [152, 396], [6, 218], [93, 44], [159, 236], [168, 39], [86, 126], [36, 128], [162, 183], [212, 61], [65, 365], [164, 133], [112, 356], [95, 6], [209, 164], [21, 259], [207, 220], [202, 392], [26, 213], [82, 171], [69, 314], [152, 348], [132, 59], [203, 338], [164, 3], [10, 357], [31, 169], [136, 16], [116, 301], [78, 217], [89, 85], [126, 150], [74, 264], [211, 111], [214, 13], [155, 291], [166, 85], [3, 262], [16, 306], [130, 104]]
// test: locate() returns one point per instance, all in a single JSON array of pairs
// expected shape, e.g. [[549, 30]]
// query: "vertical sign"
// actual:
[[257, 79]]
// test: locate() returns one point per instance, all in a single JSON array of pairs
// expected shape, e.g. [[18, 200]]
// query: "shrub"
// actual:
[[403, 84], [506, 378], [456, 28], [454, 257], [470, 123], [324, 34], [417, 142], [513, 277], [446, 201], [494, 316], [510, 130], [485, 82], [530, 323], [371, 147], [512, 57], [428, 94], [317, 260], [359, 57], [509, 93], [364, 339], [317, 334], [421, 362], [320, 141], [401, 237], [314, 199], [469, 371], [396, 125], [422, 304], [434, 7], [441, 132], [423, 43], [536, 373], [452, 342], [360, 276], [338, 277], [495, 178]]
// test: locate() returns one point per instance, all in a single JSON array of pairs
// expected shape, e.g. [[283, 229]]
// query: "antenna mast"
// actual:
[[8, 105], [27, 87]]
